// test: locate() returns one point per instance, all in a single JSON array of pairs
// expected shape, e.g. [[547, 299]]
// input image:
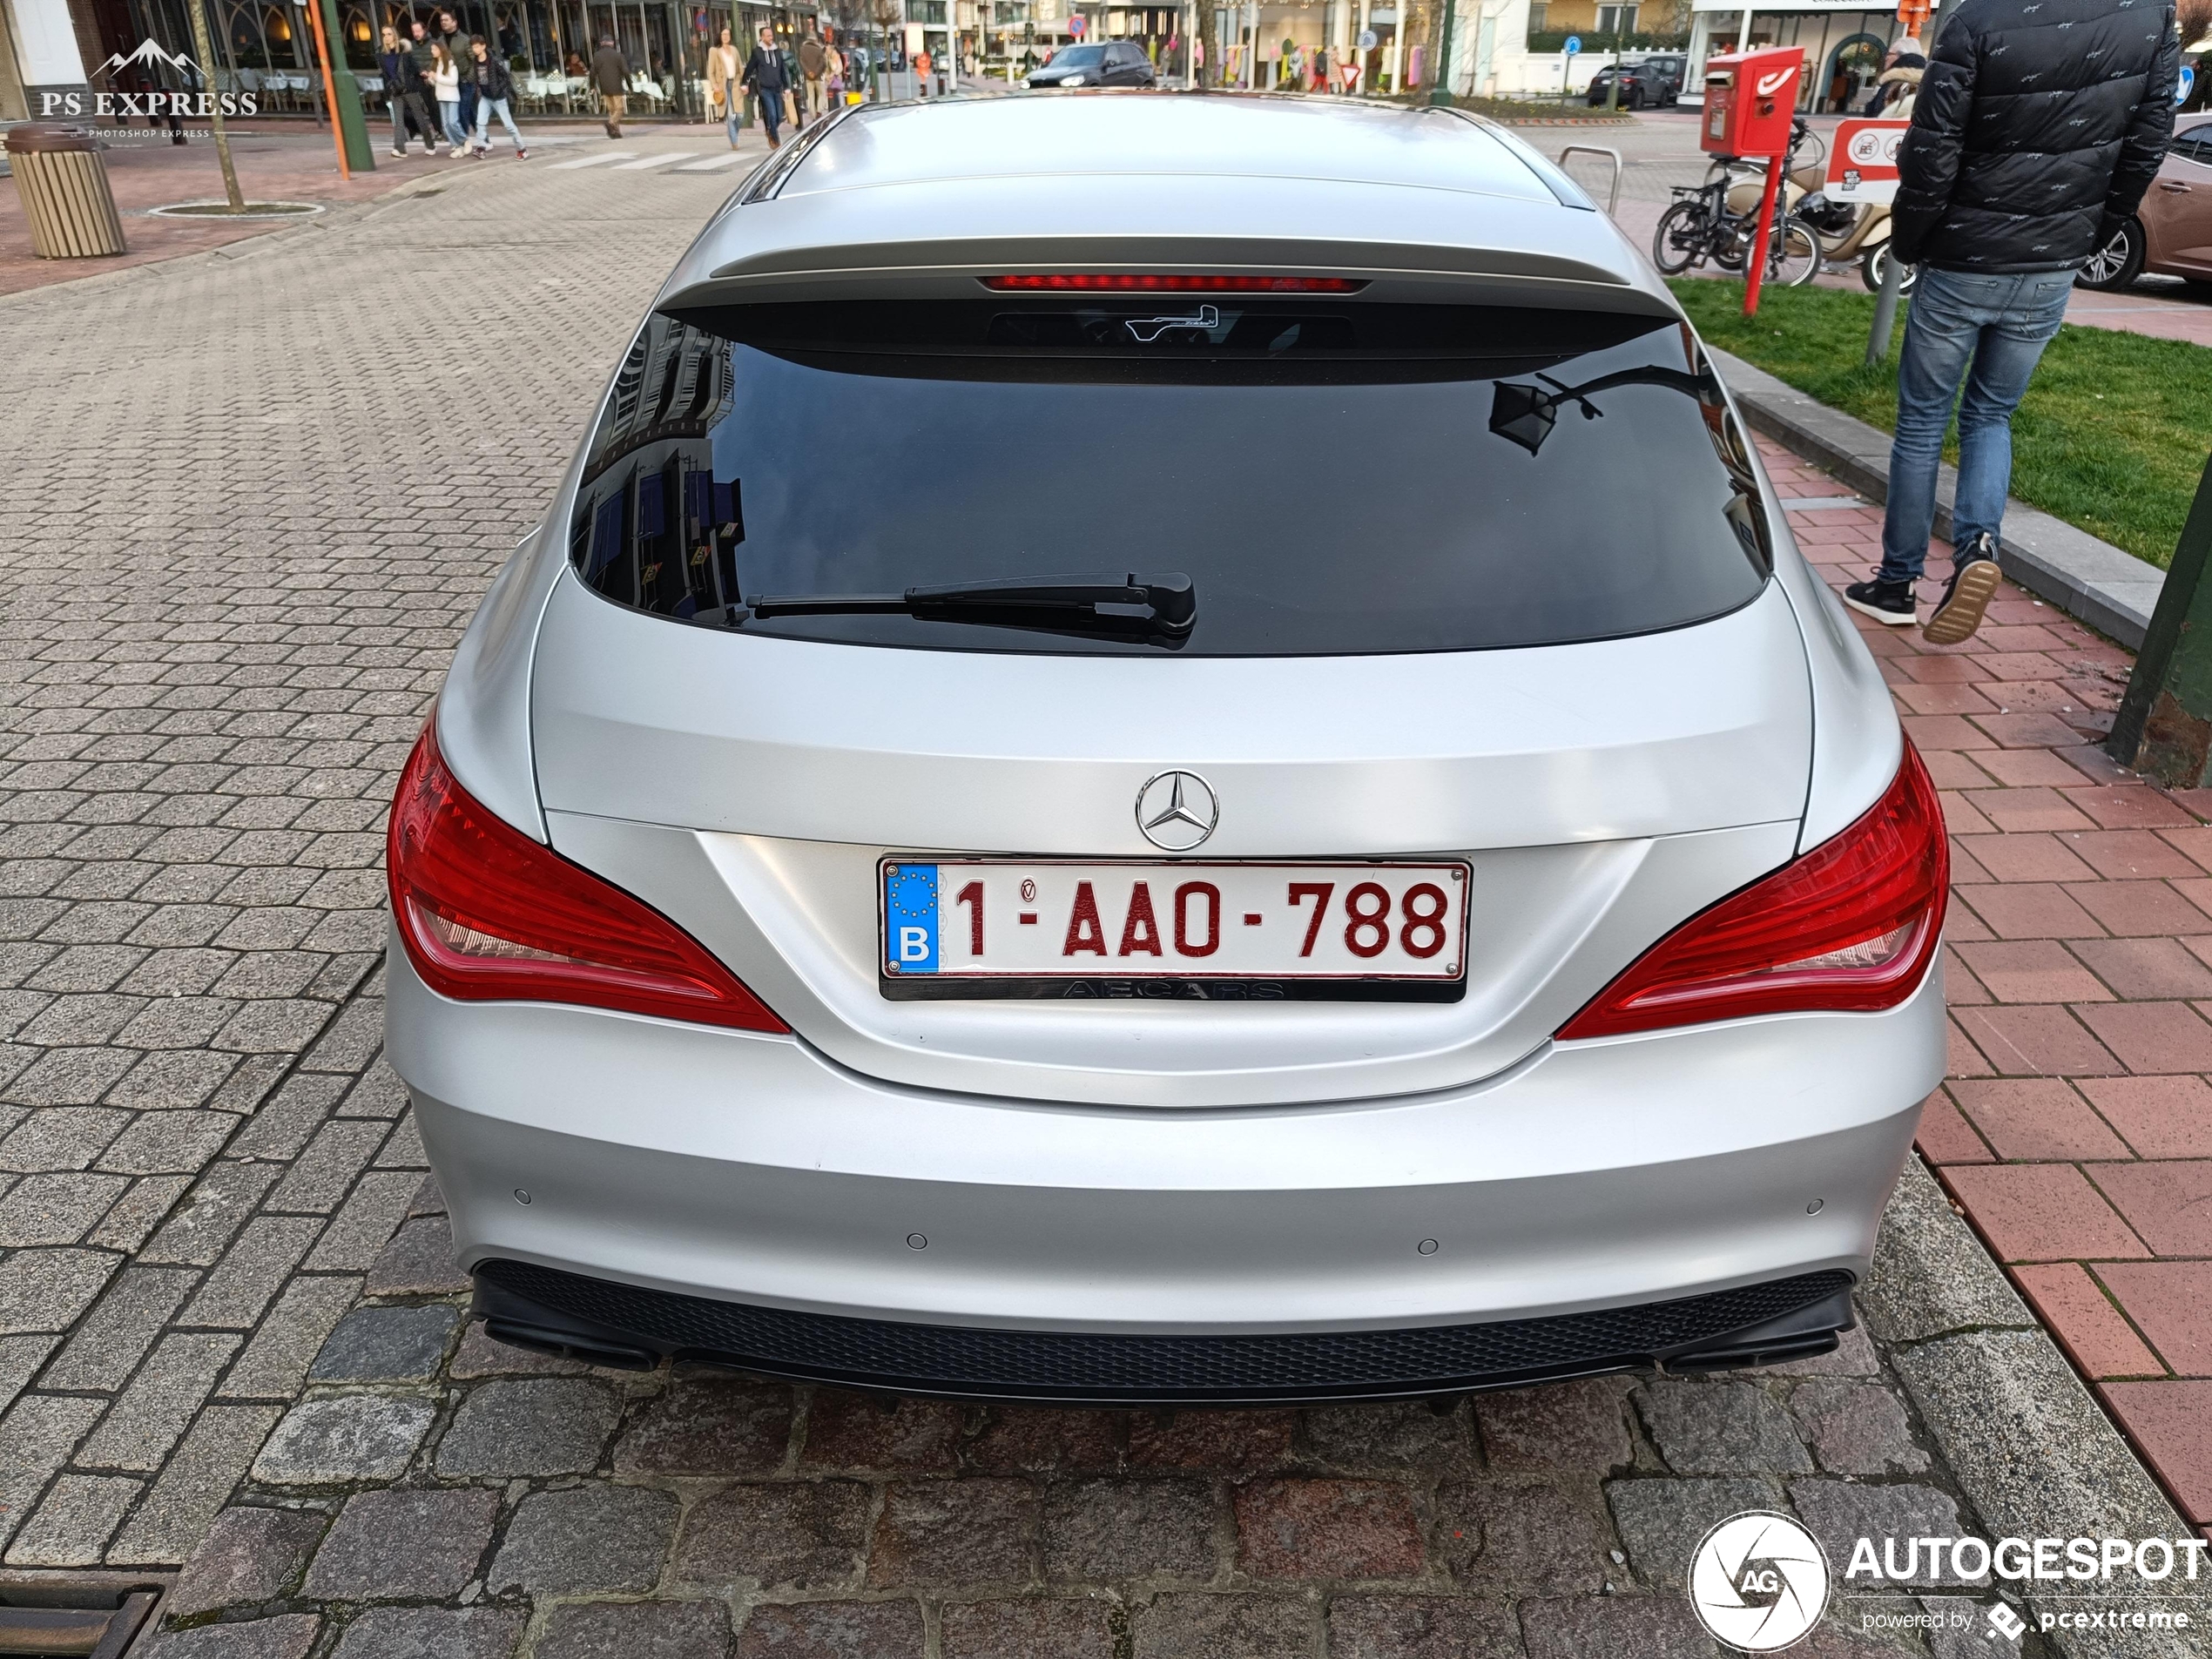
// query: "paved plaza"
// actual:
[[257, 492]]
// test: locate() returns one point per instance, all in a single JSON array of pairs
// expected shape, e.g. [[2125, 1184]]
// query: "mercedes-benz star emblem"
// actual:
[[1177, 810]]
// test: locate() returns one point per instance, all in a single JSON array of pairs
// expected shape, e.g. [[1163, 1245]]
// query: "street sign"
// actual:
[[1862, 161], [1369, 40], [1077, 24], [2184, 86], [1573, 44]]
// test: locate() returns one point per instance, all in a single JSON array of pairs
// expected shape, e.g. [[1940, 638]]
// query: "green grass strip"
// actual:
[[2111, 437]]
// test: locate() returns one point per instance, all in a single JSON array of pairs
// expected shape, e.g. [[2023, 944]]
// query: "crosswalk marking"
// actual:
[[661, 160], [584, 161], [713, 164]]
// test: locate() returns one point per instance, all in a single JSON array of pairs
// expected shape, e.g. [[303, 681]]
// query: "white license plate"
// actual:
[[981, 919]]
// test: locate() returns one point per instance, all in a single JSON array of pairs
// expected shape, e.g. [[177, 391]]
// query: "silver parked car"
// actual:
[[1387, 875]]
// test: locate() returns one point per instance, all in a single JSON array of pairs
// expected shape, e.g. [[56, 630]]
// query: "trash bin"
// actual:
[[63, 183]]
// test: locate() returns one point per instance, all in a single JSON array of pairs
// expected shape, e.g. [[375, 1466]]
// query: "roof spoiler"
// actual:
[[950, 268]]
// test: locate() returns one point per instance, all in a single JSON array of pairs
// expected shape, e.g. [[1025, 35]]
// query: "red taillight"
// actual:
[[1851, 925], [487, 915], [1125, 281]]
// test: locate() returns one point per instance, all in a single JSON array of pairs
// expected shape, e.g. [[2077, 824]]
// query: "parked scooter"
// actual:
[[1850, 233]]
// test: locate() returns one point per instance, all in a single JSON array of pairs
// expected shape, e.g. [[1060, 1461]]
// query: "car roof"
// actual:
[[1211, 135], [919, 197]]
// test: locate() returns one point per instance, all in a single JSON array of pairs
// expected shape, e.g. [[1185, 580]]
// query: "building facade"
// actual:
[[267, 47]]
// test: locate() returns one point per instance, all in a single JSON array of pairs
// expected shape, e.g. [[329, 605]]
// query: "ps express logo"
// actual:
[[158, 83]]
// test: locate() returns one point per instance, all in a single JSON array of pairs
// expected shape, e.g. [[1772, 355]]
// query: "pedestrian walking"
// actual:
[[834, 70], [494, 85], [445, 85], [922, 74], [403, 91], [419, 45], [723, 97], [2038, 127], [814, 63], [765, 79], [461, 49], [610, 78]]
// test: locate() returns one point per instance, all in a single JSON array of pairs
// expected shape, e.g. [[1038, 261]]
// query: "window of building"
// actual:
[[1616, 20]]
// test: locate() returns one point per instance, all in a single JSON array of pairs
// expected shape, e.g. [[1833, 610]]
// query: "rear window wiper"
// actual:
[[1166, 603]]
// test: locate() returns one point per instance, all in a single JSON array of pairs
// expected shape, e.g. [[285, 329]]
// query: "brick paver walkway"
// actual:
[[2076, 1126], [253, 500], [229, 1327]]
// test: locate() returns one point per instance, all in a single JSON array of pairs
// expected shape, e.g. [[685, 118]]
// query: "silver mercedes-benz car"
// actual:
[[1165, 748]]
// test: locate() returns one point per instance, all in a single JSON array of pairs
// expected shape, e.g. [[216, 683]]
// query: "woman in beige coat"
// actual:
[[723, 67]]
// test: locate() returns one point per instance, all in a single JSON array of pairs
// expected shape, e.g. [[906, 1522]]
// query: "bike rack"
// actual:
[[1614, 156]]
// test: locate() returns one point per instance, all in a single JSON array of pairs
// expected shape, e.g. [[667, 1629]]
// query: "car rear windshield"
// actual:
[[1330, 476]]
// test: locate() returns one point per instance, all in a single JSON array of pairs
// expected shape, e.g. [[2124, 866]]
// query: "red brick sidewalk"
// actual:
[[2075, 1130]]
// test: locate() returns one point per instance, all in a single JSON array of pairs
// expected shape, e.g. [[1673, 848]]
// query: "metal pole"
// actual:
[[1439, 91], [1877, 340], [348, 120], [329, 87], [206, 48], [1755, 261]]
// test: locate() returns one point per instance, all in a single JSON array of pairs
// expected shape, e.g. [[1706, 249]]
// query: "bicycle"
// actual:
[[1700, 226]]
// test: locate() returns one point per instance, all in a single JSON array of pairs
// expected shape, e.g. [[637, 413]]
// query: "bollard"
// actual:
[[2164, 726], [1878, 338]]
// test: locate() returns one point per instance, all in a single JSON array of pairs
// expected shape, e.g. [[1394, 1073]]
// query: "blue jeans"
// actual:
[[486, 107], [449, 115], [735, 119], [1990, 331]]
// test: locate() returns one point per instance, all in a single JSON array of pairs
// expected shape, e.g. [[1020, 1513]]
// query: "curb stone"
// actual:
[[2114, 591], [2026, 1443]]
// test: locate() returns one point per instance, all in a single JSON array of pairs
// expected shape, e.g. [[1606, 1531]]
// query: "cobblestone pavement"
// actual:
[[227, 1313]]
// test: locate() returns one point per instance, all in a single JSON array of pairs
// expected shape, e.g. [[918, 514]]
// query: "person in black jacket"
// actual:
[[2038, 125], [764, 74], [403, 92], [495, 85]]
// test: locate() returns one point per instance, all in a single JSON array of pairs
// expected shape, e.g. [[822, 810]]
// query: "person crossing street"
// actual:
[[765, 78], [610, 78], [2038, 126], [494, 85], [403, 91]]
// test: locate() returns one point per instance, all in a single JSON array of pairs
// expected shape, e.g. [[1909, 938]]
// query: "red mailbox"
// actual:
[[1749, 99]]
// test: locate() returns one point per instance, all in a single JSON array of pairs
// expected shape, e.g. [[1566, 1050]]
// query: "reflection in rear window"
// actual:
[[1333, 478]]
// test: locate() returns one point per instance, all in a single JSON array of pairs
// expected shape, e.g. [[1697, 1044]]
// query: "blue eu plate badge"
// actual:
[[910, 918]]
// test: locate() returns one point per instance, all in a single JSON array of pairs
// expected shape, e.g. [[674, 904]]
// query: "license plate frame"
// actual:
[[1177, 981]]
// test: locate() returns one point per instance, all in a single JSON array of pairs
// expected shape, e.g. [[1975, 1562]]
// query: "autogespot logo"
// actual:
[[1758, 1582]]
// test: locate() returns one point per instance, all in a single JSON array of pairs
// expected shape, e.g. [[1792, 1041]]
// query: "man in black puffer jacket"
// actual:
[[2039, 125]]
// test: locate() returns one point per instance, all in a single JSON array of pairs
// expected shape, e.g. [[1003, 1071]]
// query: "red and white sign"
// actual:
[[1862, 161]]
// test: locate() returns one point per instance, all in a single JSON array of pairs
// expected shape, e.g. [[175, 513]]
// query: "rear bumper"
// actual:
[[629, 1327], [751, 1171]]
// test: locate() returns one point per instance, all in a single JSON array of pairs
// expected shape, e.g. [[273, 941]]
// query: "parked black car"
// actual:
[[1110, 62], [1646, 82]]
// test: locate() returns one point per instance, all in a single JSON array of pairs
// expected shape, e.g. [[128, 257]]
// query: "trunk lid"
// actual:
[[749, 786]]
